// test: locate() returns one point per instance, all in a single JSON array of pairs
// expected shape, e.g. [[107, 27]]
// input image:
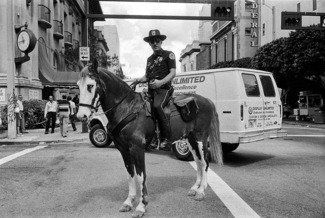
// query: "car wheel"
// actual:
[[99, 137], [182, 152], [228, 147]]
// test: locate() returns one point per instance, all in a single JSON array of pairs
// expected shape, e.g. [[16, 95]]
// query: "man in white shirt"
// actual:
[[72, 113], [51, 108], [21, 117]]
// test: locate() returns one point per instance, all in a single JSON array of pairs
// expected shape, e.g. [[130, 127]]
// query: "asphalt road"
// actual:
[[272, 178]]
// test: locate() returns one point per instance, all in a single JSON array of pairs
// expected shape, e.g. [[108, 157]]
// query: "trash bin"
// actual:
[[319, 116]]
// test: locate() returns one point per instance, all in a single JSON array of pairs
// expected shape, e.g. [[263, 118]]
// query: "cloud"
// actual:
[[133, 50]]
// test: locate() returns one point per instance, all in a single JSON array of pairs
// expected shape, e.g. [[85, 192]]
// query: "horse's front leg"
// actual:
[[138, 154], [127, 205]]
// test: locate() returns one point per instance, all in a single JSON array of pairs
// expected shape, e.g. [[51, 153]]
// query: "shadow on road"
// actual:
[[242, 158]]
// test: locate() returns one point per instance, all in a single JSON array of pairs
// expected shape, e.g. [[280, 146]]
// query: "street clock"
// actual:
[[26, 41]]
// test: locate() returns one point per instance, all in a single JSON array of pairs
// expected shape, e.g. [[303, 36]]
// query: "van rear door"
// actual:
[[253, 105], [272, 105]]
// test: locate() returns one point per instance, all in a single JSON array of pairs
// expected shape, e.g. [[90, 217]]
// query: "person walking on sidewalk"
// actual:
[[51, 108], [72, 113], [21, 122], [64, 110]]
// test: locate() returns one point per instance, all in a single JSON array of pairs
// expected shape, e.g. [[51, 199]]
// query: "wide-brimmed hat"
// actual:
[[154, 34]]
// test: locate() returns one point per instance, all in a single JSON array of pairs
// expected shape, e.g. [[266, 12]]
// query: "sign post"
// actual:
[[84, 53]]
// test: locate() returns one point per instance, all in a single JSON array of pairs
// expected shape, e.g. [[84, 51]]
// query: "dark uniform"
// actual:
[[158, 66]]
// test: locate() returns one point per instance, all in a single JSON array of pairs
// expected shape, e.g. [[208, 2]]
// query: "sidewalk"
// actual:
[[292, 121], [38, 136]]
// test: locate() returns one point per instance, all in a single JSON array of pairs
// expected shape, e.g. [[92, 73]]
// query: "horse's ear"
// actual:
[[95, 64]]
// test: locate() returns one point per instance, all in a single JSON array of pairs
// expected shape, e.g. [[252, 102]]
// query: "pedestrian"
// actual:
[[64, 110], [76, 102], [18, 119], [72, 113], [51, 108], [160, 71], [21, 117]]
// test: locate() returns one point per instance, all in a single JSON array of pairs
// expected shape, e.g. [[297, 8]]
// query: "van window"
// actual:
[[267, 85], [251, 85]]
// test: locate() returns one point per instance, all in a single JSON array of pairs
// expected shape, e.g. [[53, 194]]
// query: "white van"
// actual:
[[247, 101]]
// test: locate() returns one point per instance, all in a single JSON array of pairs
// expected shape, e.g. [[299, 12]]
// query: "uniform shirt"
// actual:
[[51, 107], [158, 66]]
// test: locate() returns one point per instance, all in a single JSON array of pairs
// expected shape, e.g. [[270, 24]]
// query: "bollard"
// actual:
[[84, 127]]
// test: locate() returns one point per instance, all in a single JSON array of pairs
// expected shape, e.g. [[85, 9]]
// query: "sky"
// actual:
[[134, 51]]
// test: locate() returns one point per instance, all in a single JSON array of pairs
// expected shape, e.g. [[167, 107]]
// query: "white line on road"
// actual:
[[237, 206], [305, 135], [21, 153]]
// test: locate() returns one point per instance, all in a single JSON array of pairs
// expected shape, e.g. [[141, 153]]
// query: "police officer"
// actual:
[[160, 71]]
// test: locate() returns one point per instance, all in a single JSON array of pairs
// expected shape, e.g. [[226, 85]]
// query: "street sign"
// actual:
[[84, 54]]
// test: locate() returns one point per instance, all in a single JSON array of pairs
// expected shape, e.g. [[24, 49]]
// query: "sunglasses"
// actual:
[[155, 40]]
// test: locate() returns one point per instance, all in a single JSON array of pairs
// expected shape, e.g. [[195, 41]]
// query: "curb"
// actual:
[[10, 142]]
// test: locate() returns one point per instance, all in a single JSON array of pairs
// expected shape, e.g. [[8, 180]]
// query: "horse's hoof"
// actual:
[[125, 208], [191, 193], [138, 214], [199, 196]]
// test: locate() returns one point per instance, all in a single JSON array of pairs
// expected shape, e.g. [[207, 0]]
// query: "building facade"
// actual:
[[51, 68], [256, 23]]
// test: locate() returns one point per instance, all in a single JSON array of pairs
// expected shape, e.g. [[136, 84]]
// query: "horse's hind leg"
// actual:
[[198, 152]]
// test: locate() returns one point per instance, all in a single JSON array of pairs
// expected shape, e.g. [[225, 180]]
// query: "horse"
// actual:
[[132, 130]]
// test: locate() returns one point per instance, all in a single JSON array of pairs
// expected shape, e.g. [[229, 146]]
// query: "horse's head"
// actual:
[[89, 91]]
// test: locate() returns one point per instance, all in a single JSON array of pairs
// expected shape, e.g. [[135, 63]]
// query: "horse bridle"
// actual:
[[90, 69]]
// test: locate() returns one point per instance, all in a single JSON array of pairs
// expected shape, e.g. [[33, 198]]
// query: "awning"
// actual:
[[49, 76]]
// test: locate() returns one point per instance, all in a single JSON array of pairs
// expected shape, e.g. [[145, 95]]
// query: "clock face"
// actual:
[[23, 41]]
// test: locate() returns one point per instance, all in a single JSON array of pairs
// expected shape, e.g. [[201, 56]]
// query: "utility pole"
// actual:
[[11, 47]]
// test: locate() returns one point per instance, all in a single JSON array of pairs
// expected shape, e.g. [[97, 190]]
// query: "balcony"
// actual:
[[75, 44], [44, 16], [58, 29], [68, 39]]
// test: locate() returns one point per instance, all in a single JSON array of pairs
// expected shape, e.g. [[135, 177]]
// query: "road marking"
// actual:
[[21, 153], [237, 206], [305, 135]]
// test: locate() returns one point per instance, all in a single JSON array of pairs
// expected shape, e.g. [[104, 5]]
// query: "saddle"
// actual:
[[185, 105]]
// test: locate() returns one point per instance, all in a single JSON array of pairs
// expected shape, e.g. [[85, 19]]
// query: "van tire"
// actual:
[[228, 147], [99, 137], [182, 152]]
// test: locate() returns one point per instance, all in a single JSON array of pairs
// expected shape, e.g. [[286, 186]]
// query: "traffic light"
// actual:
[[291, 20], [222, 10]]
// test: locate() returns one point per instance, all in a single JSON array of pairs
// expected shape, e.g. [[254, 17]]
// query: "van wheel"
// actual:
[[99, 137], [182, 152], [228, 147]]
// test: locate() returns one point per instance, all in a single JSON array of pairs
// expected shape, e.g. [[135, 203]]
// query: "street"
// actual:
[[272, 178]]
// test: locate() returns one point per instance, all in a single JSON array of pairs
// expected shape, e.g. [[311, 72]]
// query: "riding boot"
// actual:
[[165, 145]]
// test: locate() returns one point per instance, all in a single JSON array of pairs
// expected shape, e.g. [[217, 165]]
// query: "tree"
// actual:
[[297, 62]]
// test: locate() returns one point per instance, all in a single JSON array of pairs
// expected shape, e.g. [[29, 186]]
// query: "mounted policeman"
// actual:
[[160, 71]]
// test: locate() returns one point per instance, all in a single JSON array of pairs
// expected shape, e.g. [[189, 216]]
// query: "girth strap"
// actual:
[[116, 130]]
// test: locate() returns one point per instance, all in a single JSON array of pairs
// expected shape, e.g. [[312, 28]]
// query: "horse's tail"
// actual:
[[214, 138]]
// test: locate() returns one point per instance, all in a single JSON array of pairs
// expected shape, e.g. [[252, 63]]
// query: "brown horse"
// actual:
[[132, 130]]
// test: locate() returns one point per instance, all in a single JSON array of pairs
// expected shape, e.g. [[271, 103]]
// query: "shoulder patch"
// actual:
[[171, 56]]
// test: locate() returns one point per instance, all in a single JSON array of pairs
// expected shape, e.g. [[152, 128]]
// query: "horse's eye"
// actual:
[[89, 87]]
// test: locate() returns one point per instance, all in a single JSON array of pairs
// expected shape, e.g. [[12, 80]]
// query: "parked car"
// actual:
[[98, 131]]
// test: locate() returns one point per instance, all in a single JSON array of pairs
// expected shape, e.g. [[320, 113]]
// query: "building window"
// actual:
[[233, 47], [216, 46], [314, 5], [263, 29], [55, 61], [184, 68], [298, 7], [248, 31]]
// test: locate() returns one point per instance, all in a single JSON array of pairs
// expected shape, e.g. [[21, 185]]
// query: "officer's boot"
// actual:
[[165, 145]]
